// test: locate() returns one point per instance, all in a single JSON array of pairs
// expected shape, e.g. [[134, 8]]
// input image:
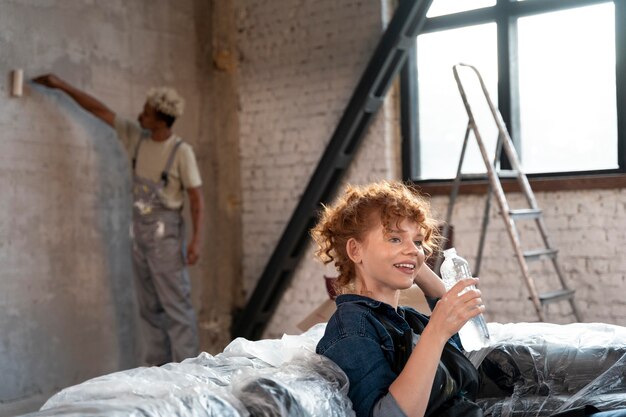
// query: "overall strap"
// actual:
[[170, 161], [136, 153]]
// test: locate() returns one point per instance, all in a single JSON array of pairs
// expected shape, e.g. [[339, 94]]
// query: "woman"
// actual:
[[399, 362]]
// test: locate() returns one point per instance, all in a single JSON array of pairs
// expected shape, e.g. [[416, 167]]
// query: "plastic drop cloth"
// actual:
[[266, 378], [538, 369], [530, 369]]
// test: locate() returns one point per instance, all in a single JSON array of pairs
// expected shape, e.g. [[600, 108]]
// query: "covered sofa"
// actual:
[[530, 369]]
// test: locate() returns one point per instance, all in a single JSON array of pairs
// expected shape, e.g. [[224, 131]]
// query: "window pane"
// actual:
[[443, 7], [442, 116], [567, 90]]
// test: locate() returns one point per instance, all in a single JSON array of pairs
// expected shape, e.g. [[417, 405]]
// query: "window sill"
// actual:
[[538, 184]]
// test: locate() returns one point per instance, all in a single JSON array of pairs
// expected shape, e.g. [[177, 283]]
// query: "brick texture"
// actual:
[[587, 227], [300, 64]]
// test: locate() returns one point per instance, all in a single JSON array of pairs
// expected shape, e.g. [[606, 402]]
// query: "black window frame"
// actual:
[[505, 14]]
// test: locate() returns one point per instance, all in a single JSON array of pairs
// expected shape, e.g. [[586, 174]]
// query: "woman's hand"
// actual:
[[455, 308], [412, 387]]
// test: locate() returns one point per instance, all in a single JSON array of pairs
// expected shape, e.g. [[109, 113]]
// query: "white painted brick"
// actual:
[[295, 84], [300, 65], [588, 229]]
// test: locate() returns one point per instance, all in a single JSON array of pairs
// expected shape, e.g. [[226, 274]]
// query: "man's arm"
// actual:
[[196, 204], [87, 102]]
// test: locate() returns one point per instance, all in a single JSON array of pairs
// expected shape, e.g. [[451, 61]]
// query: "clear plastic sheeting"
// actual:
[[530, 369], [266, 378], [305, 386], [538, 369]]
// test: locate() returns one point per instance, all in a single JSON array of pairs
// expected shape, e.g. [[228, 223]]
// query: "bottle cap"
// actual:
[[449, 252]]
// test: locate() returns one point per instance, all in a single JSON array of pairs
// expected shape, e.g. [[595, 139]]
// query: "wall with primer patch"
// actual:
[[67, 301]]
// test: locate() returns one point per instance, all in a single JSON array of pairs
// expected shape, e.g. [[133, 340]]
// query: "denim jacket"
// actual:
[[357, 341]]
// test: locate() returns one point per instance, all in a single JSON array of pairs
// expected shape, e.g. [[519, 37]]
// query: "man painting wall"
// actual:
[[164, 167]]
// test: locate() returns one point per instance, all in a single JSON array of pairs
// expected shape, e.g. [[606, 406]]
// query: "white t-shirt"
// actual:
[[153, 156]]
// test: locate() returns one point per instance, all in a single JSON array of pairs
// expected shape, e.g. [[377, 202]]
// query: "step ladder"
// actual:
[[494, 174]]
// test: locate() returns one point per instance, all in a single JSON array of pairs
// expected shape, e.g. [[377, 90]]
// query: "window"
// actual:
[[557, 110], [439, 8], [555, 69], [442, 117]]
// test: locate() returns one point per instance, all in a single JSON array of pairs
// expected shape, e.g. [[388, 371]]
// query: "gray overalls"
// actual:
[[167, 319]]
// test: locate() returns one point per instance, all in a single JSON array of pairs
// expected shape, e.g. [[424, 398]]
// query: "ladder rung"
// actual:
[[554, 296], [525, 214], [479, 176], [537, 254], [508, 173]]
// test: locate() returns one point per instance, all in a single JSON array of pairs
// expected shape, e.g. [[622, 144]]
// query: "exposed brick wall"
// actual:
[[300, 64], [588, 228]]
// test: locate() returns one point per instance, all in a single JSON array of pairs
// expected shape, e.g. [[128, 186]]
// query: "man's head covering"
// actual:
[[166, 100]]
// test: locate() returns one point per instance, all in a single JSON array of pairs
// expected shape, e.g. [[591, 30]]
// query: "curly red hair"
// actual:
[[351, 216]]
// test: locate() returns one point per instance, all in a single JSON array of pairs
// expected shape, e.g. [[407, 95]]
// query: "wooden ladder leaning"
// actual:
[[494, 174]]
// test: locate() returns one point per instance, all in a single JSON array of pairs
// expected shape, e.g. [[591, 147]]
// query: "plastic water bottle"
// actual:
[[474, 334]]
